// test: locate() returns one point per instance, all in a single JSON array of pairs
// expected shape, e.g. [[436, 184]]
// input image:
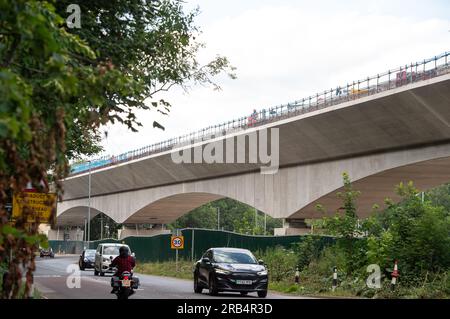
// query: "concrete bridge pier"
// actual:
[[293, 226], [137, 230]]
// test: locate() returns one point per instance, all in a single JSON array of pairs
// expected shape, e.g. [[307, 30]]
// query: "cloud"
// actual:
[[284, 52]]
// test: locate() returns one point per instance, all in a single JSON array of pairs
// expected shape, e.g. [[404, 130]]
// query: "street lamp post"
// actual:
[[85, 231], [265, 224], [101, 225], [89, 205], [256, 221], [218, 218]]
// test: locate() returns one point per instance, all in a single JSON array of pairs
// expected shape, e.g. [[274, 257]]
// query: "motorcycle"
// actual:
[[125, 283]]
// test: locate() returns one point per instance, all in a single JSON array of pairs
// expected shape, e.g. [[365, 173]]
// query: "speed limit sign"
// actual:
[[177, 242]]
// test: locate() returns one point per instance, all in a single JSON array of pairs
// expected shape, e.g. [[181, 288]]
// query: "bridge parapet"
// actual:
[[391, 79]]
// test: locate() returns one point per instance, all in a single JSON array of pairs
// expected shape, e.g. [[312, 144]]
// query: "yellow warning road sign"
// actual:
[[177, 242], [42, 206]]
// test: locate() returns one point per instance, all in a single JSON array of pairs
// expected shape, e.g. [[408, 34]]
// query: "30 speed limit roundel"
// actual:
[[177, 242]]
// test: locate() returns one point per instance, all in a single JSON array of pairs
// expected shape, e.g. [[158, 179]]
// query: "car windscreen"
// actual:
[[111, 250], [233, 257], [89, 253]]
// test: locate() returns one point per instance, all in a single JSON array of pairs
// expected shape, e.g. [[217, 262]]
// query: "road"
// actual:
[[51, 277]]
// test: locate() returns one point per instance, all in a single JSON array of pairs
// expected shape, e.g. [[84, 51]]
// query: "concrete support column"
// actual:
[[138, 231], [293, 226]]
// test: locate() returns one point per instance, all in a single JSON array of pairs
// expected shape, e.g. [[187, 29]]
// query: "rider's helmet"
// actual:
[[123, 251]]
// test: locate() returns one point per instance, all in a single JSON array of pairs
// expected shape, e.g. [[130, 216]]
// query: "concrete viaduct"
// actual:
[[382, 139]]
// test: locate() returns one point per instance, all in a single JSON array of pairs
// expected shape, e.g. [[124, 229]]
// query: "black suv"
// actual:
[[230, 269]]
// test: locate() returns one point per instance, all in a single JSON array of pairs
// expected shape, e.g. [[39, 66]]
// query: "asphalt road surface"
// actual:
[[52, 276]]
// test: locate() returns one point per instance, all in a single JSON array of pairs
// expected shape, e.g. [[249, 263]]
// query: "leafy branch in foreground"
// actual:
[[59, 86]]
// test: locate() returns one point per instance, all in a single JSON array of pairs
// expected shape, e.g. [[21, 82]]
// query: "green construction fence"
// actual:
[[196, 242]]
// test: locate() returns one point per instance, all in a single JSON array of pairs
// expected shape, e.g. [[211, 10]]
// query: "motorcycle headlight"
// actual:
[[222, 271], [262, 273]]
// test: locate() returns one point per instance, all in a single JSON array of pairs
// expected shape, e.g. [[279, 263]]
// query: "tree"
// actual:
[[234, 216], [440, 196], [414, 232], [58, 86], [151, 43], [202, 217], [110, 227], [345, 225]]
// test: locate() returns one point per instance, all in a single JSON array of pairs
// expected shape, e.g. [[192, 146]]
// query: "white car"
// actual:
[[104, 254]]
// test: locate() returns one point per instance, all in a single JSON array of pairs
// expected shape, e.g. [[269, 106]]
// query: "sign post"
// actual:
[[177, 242]]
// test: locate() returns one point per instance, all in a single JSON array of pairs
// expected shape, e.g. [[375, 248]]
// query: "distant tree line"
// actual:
[[233, 216]]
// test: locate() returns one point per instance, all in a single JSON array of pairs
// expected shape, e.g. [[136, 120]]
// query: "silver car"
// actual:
[[104, 255]]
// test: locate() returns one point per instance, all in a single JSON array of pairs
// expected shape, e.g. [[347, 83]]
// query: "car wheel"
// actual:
[[95, 272], [244, 293], [81, 267], [102, 273], [197, 288], [212, 286], [262, 294]]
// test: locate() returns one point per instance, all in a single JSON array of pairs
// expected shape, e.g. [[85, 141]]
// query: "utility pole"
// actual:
[[101, 225], [256, 221], [89, 206], [265, 224], [218, 218], [85, 231]]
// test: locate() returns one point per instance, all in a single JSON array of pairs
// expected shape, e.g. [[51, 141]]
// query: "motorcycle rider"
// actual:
[[123, 262]]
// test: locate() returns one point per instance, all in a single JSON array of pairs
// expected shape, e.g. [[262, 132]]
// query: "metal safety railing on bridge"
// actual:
[[394, 78]]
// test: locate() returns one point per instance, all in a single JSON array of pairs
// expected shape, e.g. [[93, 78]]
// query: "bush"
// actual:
[[280, 262], [306, 250]]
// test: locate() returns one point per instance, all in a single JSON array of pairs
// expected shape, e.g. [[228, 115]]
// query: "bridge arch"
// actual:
[[376, 187], [291, 193], [76, 215]]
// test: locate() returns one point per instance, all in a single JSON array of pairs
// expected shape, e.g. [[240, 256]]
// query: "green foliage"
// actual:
[[415, 233], [280, 262], [307, 250], [234, 216], [439, 196], [108, 232], [58, 86], [346, 227], [202, 217], [153, 44]]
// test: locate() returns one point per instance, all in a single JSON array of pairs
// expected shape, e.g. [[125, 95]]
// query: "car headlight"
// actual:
[[105, 260], [262, 273], [222, 271]]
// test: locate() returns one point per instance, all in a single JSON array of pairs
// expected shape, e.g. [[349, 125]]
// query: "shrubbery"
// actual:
[[280, 262], [416, 233]]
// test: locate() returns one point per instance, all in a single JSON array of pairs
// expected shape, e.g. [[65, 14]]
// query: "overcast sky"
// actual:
[[285, 50]]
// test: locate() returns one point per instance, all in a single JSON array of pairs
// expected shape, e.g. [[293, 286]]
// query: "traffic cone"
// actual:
[[394, 275], [297, 276], [334, 279]]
